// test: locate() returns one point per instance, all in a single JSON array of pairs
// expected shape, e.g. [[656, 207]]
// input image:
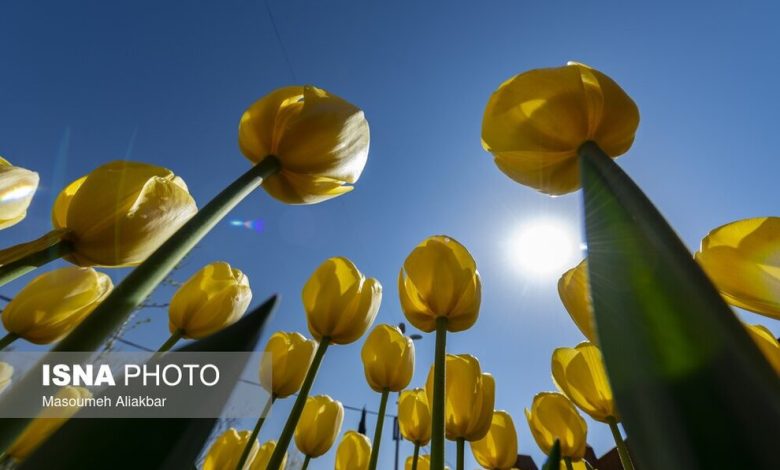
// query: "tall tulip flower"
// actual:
[[536, 122], [552, 416], [574, 291], [469, 400], [414, 418], [354, 452], [17, 188], [579, 373], [742, 259], [263, 455], [440, 290], [341, 304], [318, 427], [388, 362], [226, 449], [54, 303], [6, 372], [421, 463], [213, 298], [498, 448], [47, 423]]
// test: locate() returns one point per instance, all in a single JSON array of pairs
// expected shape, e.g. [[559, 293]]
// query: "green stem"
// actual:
[[625, 457], [437, 411], [295, 414], [33, 255], [588, 465], [174, 338], [255, 432], [380, 421], [305, 463], [416, 455], [6, 340], [461, 453], [567, 460]]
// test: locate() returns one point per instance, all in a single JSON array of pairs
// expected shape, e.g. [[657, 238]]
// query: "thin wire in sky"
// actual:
[[280, 42]]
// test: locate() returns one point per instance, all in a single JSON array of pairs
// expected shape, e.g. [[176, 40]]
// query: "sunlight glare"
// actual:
[[543, 248]]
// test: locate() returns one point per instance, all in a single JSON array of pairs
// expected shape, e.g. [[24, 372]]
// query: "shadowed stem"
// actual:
[[625, 457], [416, 455], [255, 432], [567, 461], [170, 342], [295, 414], [7, 340], [461, 453], [380, 420], [305, 463], [437, 411], [25, 257]]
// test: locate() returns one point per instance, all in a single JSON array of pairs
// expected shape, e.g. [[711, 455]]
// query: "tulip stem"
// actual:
[[380, 421], [7, 340], [20, 259], [416, 455], [255, 432], [461, 453], [439, 375], [625, 457], [295, 414], [170, 342], [305, 463], [567, 461]]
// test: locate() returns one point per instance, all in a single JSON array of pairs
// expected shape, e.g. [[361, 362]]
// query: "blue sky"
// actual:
[[83, 83]]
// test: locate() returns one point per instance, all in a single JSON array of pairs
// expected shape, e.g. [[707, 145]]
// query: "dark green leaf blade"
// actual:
[[693, 389], [553, 461]]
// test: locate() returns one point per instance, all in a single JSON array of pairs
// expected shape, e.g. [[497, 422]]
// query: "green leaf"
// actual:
[[140, 443], [692, 388], [553, 461]]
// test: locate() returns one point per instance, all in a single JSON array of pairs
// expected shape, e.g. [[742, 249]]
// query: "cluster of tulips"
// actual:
[[555, 130]]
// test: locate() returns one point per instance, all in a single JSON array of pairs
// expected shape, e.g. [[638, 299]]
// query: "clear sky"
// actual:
[[86, 82]]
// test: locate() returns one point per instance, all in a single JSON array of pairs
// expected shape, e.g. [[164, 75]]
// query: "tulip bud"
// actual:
[[226, 450], [498, 449], [6, 372], [423, 463], [319, 425], [340, 302], [579, 373], [17, 188], [289, 356], [574, 291], [414, 416], [354, 452], [388, 359], [469, 398], [213, 298], [743, 261], [320, 140], [263, 456], [553, 416], [54, 303], [536, 121], [439, 278], [47, 423], [765, 341], [118, 214]]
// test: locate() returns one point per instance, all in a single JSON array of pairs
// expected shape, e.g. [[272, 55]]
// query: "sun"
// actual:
[[543, 248]]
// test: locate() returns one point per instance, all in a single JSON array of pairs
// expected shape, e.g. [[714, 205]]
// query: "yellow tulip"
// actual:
[[575, 465], [54, 303], [766, 342], [743, 261], [213, 298], [498, 449], [6, 372], [469, 398], [262, 457], [388, 359], [118, 214], [440, 279], [353, 452], [289, 356], [320, 140], [574, 291], [579, 373], [47, 423], [536, 121], [414, 416], [17, 188], [226, 450], [340, 302], [319, 425], [423, 463], [553, 416]]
